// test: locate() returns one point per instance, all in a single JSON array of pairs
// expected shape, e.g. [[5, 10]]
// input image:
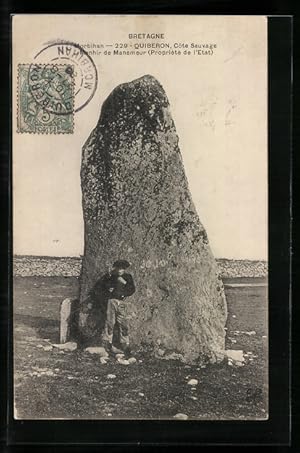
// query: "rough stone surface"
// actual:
[[137, 206], [173, 356]]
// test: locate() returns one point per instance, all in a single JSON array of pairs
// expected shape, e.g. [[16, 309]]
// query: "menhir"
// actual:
[[137, 206]]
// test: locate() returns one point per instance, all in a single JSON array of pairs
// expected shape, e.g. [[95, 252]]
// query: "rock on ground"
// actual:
[[137, 206], [97, 350], [123, 361], [181, 416], [131, 360], [69, 346], [103, 360], [193, 382], [235, 357]]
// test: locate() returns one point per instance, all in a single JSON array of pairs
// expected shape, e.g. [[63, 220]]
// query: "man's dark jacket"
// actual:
[[120, 290]]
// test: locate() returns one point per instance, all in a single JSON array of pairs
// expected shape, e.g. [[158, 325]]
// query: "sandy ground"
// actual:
[[54, 384]]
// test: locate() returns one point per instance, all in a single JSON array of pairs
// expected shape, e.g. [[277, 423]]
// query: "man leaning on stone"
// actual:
[[119, 285]]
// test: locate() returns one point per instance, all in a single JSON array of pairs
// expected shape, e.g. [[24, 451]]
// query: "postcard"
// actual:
[[140, 217]]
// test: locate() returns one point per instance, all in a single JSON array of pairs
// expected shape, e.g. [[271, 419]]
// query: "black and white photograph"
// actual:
[[140, 217]]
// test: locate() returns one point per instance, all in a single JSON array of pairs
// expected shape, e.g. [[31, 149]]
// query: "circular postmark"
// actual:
[[84, 72], [51, 86]]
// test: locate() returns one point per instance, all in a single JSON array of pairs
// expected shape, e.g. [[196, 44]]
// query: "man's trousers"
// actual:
[[116, 315]]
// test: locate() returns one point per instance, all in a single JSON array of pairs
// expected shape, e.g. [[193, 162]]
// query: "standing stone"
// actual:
[[68, 320], [137, 206], [65, 318]]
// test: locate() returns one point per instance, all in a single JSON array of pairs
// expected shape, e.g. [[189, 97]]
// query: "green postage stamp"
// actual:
[[45, 98]]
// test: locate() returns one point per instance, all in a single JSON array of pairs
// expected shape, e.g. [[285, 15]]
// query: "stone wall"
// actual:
[[27, 266]]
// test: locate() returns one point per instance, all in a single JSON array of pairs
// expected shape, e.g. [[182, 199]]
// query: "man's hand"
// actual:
[[110, 290], [122, 280]]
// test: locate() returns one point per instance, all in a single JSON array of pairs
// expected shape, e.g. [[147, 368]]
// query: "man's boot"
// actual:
[[107, 346], [127, 351]]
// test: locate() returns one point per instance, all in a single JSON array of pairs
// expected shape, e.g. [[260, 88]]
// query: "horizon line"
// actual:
[[79, 257]]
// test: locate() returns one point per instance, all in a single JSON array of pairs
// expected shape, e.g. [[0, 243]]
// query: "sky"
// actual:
[[218, 103]]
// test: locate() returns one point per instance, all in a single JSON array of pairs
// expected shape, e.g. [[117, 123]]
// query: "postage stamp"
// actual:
[[45, 98]]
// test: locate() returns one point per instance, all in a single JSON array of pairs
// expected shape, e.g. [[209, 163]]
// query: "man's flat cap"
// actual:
[[121, 264]]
